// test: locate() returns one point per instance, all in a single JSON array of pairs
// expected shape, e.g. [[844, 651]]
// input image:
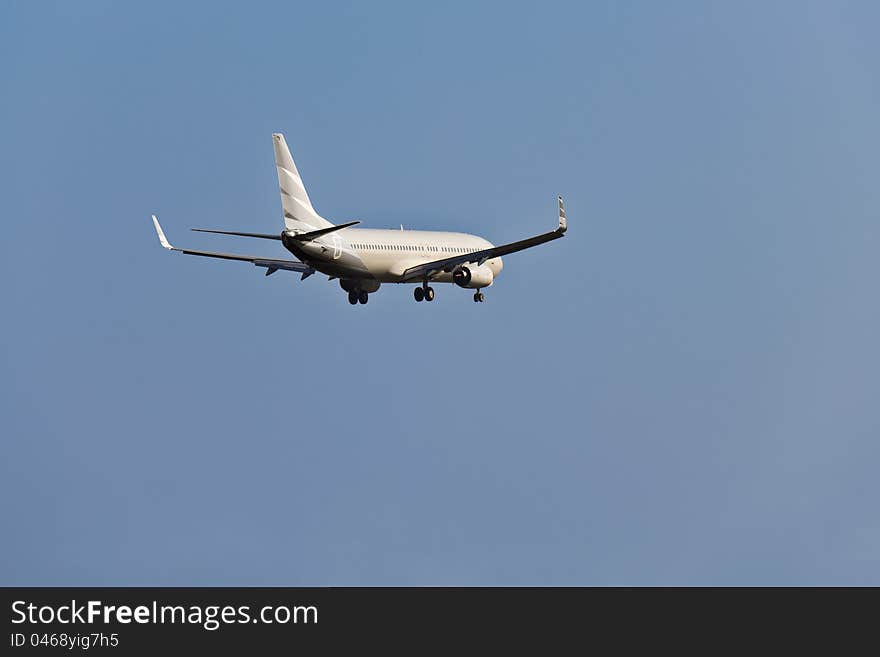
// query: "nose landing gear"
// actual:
[[479, 297], [358, 296]]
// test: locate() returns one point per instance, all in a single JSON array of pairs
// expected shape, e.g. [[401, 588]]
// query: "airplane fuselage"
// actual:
[[382, 256]]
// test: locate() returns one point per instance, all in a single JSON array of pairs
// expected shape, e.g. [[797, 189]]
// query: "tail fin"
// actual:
[[295, 201]]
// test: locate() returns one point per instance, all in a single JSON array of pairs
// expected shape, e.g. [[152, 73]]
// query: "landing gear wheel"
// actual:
[[429, 294], [363, 297], [419, 294], [352, 297], [478, 297]]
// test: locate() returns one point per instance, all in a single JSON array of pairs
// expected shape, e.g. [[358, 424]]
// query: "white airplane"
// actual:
[[363, 259]]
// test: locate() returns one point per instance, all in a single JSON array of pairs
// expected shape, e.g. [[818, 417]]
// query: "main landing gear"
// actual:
[[425, 292], [358, 296], [478, 297]]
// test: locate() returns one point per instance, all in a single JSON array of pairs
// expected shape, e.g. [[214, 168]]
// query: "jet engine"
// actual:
[[473, 277]]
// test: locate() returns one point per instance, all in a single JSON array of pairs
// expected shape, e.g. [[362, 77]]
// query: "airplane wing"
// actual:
[[272, 265], [426, 270]]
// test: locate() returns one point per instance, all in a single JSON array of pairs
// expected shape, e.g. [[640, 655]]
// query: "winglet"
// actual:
[[563, 226], [162, 239]]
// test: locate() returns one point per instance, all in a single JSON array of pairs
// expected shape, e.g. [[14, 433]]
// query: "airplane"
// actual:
[[362, 259]]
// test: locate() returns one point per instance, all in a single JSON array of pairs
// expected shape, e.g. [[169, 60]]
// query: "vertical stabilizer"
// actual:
[[295, 201]]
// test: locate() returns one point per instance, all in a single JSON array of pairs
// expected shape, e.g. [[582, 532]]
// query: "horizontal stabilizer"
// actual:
[[312, 234]]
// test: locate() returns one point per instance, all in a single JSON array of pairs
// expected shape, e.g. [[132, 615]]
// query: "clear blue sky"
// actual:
[[682, 391]]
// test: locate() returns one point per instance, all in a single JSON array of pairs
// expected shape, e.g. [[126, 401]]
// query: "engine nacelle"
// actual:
[[473, 277]]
